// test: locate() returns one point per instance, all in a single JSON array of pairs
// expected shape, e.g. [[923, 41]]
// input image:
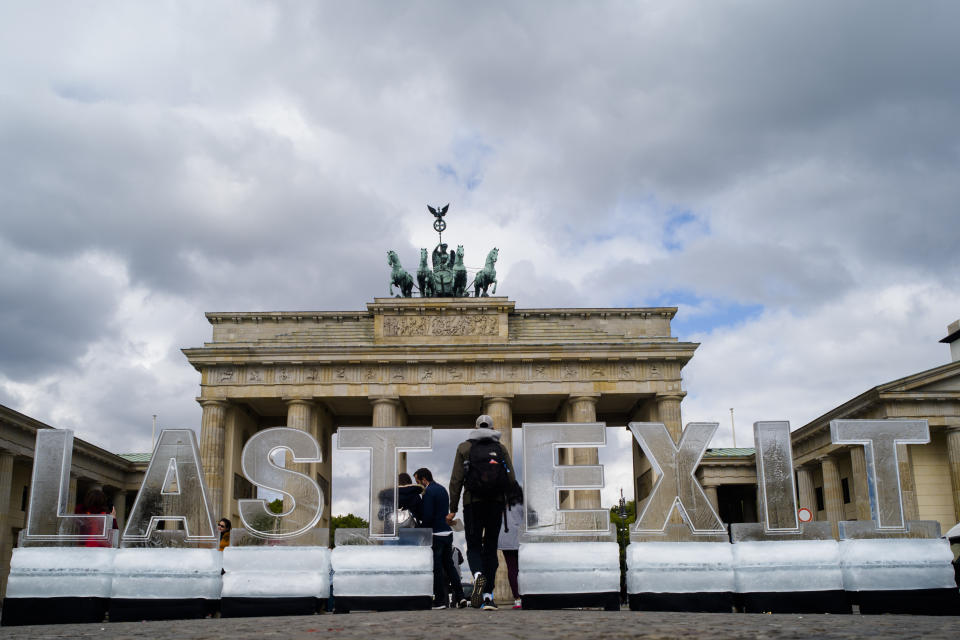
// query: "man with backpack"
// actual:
[[483, 471]]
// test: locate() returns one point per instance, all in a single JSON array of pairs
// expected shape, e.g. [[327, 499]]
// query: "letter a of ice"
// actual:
[[173, 490], [384, 443], [48, 517], [880, 439], [544, 478], [676, 485], [257, 462]]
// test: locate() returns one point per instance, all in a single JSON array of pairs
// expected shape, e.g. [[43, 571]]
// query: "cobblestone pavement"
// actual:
[[529, 625]]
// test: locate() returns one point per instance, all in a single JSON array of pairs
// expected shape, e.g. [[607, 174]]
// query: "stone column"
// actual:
[[388, 412], [500, 409], [583, 408], [668, 410], [120, 504], [806, 495], [299, 417], [324, 428], [953, 461], [72, 495], [832, 492], [300, 414], [711, 491], [6, 486], [212, 437], [861, 492], [911, 510]]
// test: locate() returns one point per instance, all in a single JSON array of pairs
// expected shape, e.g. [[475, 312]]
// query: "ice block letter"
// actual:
[[173, 491], [676, 486], [775, 476], [544, 478], [302, 494], [48, 517], [880, 439], [384, 443]]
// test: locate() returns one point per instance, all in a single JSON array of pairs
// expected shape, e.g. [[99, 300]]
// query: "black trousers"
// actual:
[[444, 570], [481, 523]]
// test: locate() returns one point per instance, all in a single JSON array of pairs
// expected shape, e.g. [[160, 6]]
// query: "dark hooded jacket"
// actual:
[[458, 475]]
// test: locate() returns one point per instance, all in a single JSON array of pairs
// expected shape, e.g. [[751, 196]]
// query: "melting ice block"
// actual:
[[896, 564], [276, 572], [569, 567], [787, 566], [60, 572], [376, 571], [680, 567], [171, 573], [680, 576]]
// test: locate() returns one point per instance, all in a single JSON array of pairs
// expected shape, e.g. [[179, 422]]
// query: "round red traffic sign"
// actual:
[[804, 514]]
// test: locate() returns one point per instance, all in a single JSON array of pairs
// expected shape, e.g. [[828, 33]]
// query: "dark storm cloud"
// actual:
[[161, 160], [51, 310]]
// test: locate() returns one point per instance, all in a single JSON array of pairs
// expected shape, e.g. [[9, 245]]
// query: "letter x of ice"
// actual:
[[676, 486]]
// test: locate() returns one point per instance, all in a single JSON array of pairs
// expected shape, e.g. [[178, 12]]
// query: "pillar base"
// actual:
[[794, 602], [346, 604], [132, 610], [545, 601], [256, 607], [703, 602], [927, 602], [21, 611]]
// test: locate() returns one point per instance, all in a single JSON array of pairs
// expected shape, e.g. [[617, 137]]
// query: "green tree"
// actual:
[[348, 521], [623, 535], [276, 506]]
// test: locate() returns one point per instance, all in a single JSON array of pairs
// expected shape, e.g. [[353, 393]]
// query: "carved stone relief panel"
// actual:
[[397, 373], [626, 370], [428, 374], [339, 373], [514, 372], [370, 373], [570, 370], [654, 370], [255, 375], [598, 370], [541, 371], [285, 374], [459, 325], [226, 375], [311, 374], [486, 371], [454, 373]]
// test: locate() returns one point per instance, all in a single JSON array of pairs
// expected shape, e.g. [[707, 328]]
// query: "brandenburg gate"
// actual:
[[436, 362]]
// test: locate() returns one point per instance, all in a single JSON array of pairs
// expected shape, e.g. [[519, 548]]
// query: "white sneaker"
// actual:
[[516, 604]]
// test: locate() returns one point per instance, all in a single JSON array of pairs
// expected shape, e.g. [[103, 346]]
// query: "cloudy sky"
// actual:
[[784, 173]]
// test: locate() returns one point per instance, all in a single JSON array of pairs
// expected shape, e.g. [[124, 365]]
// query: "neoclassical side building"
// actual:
[[430, 361], [119, 476]]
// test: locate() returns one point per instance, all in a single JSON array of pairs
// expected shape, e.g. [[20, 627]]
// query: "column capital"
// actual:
[[299, 401], [391, 400], [673, 395], [591, 397], [211, 402], [499, 397]]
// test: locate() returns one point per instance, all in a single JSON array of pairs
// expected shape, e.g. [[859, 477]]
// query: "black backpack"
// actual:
[[487, 479]]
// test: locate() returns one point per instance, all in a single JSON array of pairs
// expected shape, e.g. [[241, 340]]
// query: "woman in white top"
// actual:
[[509, 541]]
